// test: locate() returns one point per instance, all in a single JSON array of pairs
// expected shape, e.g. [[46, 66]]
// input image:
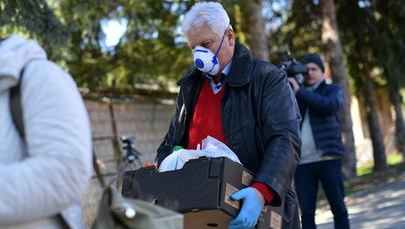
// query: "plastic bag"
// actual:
[[211, 147]]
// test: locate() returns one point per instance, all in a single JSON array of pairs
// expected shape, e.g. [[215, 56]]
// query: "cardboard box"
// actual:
[[201, 191]]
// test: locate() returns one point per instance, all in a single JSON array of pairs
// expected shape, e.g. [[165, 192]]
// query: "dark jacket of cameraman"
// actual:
[[260, 120], [323, 105]]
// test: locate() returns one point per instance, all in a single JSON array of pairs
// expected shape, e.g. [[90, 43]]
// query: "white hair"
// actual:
[[210, 13]]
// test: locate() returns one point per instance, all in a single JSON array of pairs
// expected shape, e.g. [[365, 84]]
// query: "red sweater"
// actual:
[[207, 117], [207, 121]]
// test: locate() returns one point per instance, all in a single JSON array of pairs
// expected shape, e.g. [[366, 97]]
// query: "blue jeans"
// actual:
[[329, 173]]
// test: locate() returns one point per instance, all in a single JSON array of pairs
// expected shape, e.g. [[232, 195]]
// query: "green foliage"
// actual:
[[371, 33], [374, 41], [71, 32], [150, 51], [33, 17], [390, 47], [301, 32]]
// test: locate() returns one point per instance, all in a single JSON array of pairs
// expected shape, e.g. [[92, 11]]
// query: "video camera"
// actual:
[[293, 68]]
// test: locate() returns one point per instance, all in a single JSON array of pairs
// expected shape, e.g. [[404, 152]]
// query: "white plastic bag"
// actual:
[[211, 147]]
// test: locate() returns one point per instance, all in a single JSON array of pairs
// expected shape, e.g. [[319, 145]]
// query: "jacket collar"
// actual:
[[316, 85], [239, 74], [321, 84]]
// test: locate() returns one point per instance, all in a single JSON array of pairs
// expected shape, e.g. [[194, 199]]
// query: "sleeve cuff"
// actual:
[[264, 190]]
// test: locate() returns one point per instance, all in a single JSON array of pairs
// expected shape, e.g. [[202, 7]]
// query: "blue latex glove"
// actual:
[[250, 210]]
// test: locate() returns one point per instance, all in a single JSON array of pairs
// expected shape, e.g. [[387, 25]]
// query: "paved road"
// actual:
[[382, 207]]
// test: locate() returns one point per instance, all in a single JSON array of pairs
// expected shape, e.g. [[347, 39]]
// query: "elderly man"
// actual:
[[243, 102]]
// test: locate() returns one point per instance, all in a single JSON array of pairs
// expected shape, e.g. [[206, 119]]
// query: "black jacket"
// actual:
[[323, 105], [260, 119]]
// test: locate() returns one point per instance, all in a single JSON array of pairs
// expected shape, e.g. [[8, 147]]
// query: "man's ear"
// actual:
[[230, 34]]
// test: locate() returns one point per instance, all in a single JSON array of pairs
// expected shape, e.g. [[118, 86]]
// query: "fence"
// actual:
[[147, 122]]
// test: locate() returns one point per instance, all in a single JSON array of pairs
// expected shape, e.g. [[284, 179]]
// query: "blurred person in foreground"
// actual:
[[245, 103], [46, 166], [322, 147]]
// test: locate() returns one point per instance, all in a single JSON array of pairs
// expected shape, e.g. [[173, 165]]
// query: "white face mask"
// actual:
[[205, 60]]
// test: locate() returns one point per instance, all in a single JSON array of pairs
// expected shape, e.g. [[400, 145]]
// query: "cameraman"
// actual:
[[322, 147]]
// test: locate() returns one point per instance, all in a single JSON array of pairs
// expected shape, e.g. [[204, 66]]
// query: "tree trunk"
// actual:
[[399, 123], [380, 161], [390, 52], [366, 84], [335, 57], [256, 35], [399, 118]]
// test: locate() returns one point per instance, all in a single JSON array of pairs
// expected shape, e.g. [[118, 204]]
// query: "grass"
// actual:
[[392, 160]]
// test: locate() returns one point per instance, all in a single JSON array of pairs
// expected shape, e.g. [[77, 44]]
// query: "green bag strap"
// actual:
[[16, 113]]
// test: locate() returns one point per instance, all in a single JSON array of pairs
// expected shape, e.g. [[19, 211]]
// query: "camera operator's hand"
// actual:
[[294, 84]]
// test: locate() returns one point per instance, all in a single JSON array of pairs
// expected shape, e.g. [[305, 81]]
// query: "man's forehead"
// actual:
[[199, 40], [202, 30], [198, 36]]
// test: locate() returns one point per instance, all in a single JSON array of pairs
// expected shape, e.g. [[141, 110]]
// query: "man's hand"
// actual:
[[252, 204], [294, 84]]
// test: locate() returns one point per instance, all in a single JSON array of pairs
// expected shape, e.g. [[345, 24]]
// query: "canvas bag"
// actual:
[[115, 211], [119, 212]]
